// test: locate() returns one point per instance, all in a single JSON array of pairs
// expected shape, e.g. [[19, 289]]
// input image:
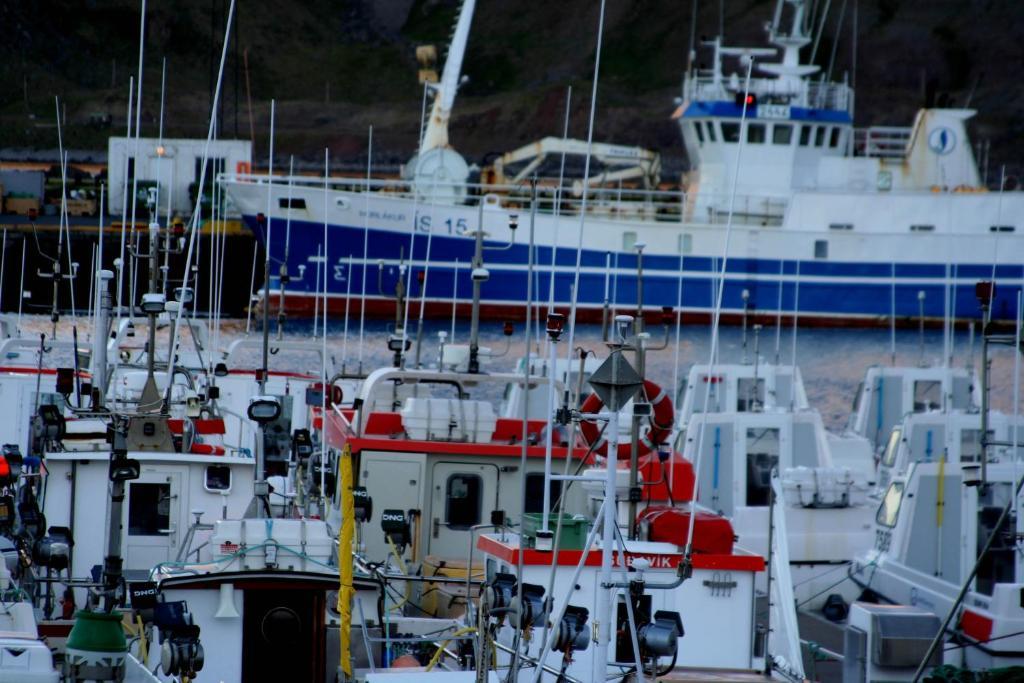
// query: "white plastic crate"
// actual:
[[448, 419]]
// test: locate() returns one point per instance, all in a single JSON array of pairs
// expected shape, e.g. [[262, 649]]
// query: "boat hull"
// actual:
[[864, 282]]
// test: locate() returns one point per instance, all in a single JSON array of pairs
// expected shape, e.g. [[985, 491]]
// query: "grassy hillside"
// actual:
[[335, 68]]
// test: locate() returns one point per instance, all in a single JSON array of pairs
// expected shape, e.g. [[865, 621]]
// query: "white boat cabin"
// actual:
[[953, 437], [887, 394], [933, 520], [444, 462]]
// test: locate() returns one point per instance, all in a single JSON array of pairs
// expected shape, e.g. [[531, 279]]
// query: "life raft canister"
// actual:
[[660, 422]]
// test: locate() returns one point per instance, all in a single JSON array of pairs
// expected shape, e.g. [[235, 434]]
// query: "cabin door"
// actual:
[[463, 495], [153, 521]]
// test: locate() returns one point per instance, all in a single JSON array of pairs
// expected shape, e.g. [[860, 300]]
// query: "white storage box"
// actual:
[[296, 544], [448, 419], [826, 487]]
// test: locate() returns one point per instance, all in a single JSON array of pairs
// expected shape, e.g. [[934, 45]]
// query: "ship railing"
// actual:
[[748, 209], [614, 203], [886, 142], [830, 96]]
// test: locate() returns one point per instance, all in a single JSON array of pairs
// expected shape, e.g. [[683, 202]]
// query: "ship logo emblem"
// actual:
[[941, 140]]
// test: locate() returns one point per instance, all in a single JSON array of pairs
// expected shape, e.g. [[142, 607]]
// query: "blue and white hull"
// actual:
[[827, 276]]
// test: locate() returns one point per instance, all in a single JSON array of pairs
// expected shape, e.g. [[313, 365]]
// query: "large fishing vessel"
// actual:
[[838, 224]]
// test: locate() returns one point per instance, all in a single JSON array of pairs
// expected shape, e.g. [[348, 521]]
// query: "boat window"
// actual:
[[464, 494], [748, 396], [820, 248], [149, 509], [699, 130], [805, 135], [970, 444], [218, 478], [535, 492], [998, 565], [1001, 228], [755, 133], [707, 388], [291, 203], [927, 395], [685, 243], [833, 140], [730, 132], [762, 458], [819, 136], [892, 448], [711, 131], [889, 510], [782, 133], [922, 228]]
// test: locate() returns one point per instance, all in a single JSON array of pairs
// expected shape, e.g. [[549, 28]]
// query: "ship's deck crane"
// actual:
[[621, 162]]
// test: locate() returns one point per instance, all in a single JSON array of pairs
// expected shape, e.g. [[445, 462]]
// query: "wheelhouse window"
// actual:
[[970, 444], [730, 132], [892, 447], [782, 133], [755, 133], [464, 499], [927, 395], [749, 396], [819, 136], [889, 509], [762, 458], [699, 130], [805, 135], [712, 137], [833, 140], [535, 492]]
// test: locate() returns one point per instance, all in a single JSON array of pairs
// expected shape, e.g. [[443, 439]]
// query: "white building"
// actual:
[[173, 164]]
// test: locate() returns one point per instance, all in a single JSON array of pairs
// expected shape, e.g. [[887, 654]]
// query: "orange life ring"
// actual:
[[660, 422]]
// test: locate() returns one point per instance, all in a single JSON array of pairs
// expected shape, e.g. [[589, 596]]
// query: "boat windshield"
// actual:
[[891, 448], [889, 510]]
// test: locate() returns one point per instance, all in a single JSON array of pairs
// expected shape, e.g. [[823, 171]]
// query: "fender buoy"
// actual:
[[660, 422]]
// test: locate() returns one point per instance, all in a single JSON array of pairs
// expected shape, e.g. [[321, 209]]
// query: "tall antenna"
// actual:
[[366, 246], [135, 152], [124, 204], [266, 256], [892, 315]]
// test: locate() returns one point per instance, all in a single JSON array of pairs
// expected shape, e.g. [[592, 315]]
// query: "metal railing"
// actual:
[[607, 203], [886, 142]]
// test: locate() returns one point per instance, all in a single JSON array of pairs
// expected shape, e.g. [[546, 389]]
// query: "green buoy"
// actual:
[[96, 648]]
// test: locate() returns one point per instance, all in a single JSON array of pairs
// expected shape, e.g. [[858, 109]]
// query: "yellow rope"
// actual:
[[444, 643], [346, 590]]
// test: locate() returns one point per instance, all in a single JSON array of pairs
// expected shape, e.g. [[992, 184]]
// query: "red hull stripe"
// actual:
[[570, 558]]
